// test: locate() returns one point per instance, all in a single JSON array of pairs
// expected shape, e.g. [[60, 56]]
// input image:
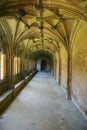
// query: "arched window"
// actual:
[[17, 61], [43, 65], [2, 61], [16, 65], [2, 65]]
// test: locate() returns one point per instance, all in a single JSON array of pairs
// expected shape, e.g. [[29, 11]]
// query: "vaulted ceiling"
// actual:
[[41, 25]]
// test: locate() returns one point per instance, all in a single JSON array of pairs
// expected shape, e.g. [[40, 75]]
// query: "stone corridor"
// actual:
[[42, 105]]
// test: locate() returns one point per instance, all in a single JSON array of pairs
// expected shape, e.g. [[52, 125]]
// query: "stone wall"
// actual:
[[3, 87], [79, 68]]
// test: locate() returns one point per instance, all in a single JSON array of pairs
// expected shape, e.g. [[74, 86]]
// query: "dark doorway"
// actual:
[[43, 65]]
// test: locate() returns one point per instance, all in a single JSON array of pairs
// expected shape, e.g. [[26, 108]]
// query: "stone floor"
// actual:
[[42, 105]]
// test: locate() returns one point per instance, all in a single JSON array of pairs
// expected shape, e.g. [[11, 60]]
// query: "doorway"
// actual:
[[43, 65]]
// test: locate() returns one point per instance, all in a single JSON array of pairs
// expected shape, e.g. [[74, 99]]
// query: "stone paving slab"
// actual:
[[42, 105]]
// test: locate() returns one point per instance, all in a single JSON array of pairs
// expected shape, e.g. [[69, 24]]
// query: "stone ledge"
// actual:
[[9, 96], [5, 95]]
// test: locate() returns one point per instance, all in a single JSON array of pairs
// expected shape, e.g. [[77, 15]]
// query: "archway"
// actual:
[[43, 65]]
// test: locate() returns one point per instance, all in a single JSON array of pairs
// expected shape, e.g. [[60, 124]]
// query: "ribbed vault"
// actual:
[[43, 24]]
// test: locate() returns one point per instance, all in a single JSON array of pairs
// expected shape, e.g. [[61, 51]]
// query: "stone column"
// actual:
[[55, 68], [17, 60], [21, 66], [69, 74], [60, 67], [10, 70]]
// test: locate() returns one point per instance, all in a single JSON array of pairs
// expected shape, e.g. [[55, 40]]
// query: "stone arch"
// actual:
[[43, 65]]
